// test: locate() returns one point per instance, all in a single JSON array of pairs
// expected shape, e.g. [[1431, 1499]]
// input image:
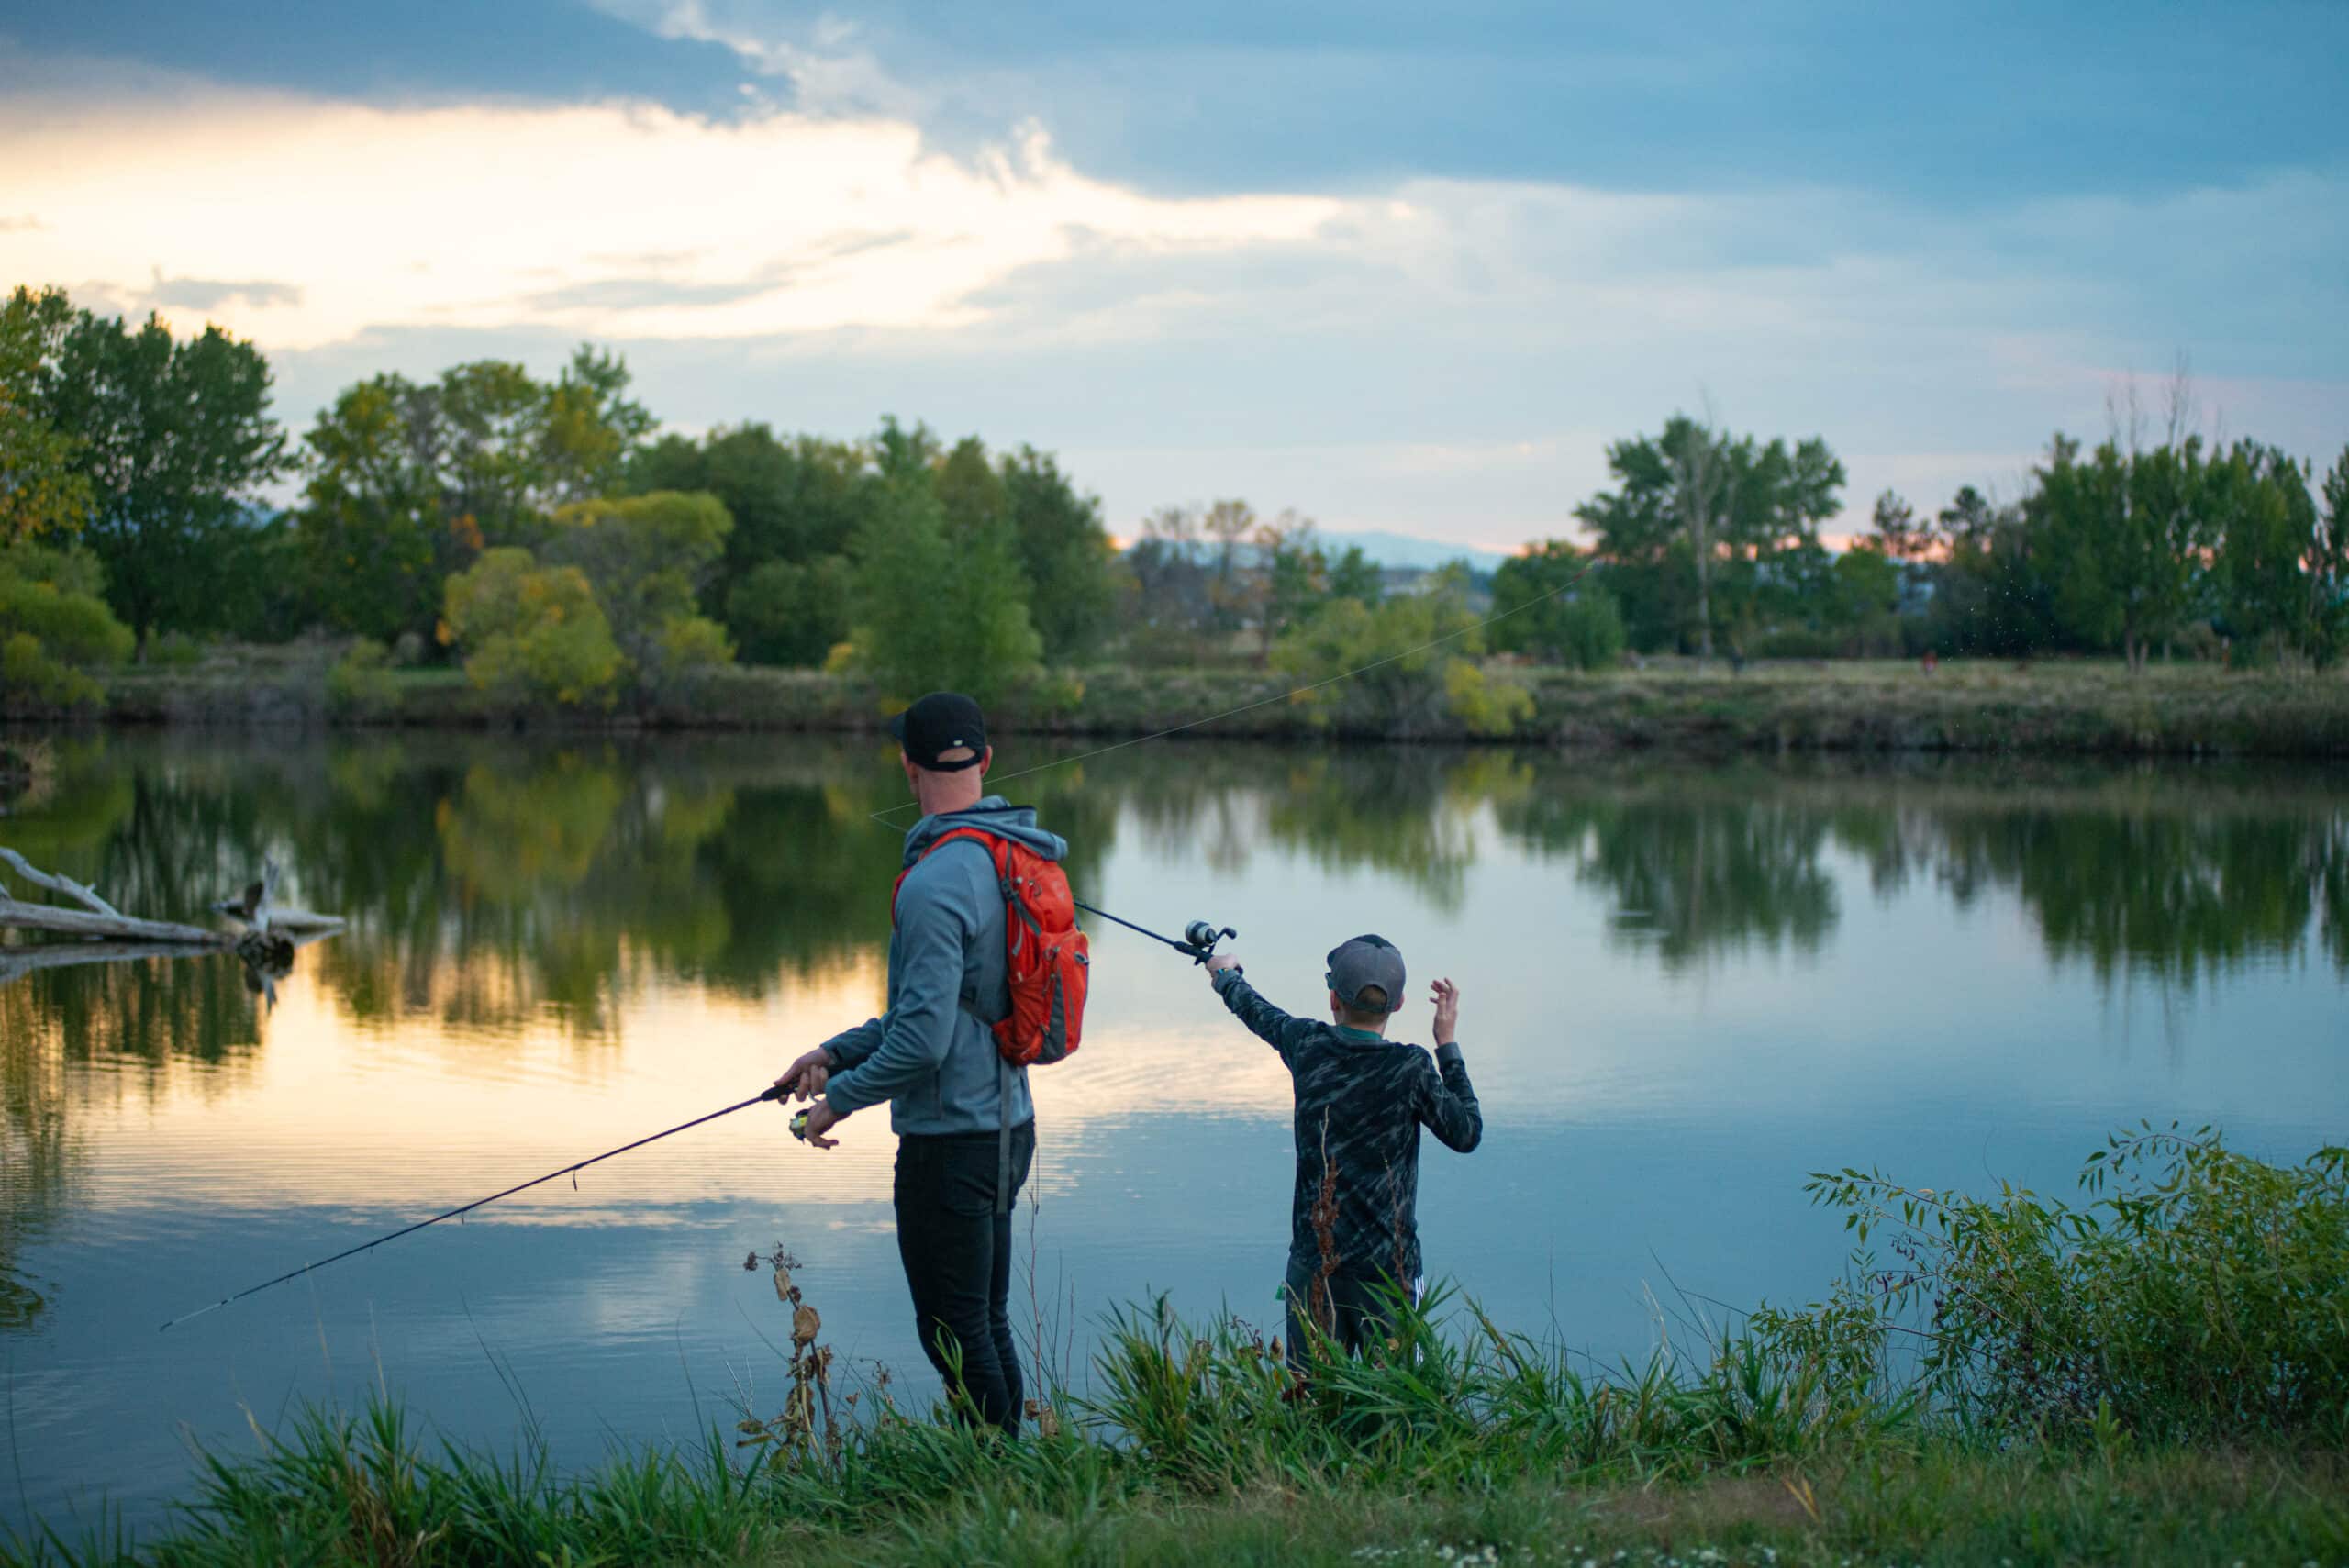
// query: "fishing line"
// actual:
[[1266, 702], [776, 1092]]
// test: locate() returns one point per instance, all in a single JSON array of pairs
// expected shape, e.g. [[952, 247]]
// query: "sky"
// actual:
[[1396, 266]]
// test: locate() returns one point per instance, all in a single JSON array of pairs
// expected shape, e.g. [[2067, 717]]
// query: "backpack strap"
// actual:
[[1000, 853]]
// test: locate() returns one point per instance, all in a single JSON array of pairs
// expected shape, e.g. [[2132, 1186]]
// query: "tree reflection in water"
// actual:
[[492, 885]]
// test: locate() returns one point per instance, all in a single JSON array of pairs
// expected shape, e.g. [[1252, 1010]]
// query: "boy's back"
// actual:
[[1360, 1102]]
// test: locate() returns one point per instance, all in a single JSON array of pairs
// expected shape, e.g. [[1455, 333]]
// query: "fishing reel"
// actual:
[[1199, 938], [799, 1125]]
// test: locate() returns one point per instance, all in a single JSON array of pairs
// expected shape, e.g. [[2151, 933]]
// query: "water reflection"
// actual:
[[496, 889]]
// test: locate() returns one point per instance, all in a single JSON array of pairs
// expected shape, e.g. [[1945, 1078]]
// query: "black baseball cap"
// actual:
[[1362, 961], [941, 722]]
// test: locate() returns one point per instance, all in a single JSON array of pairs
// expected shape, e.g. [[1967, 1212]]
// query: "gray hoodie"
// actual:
[[929, 1055]]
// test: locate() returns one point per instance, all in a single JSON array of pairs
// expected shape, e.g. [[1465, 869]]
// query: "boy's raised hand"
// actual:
[[1446, 996], [1219, 963]]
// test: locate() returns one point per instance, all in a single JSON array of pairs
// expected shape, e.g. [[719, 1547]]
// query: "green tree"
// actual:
[[174, 438], [1354, 576], [374, 538], [1699, 521], [409, 481], [1992, 594], [2329, 565], [647, 557], [2125, 534], [41, 489], [784, 612], [589, 426], [1538, 597], [532, 633], [934, 612], [1898, 535], [1295, 572], [1071, 566], [2272, 582], [798, 500]]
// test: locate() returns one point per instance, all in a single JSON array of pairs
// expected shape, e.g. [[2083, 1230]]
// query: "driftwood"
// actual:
[[266, 943], [55, 884]]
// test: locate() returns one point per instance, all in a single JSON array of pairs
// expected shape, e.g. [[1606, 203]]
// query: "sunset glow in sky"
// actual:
[[1397, 270]]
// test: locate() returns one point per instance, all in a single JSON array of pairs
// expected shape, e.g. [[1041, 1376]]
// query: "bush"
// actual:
[[1406, 669], [689, 648], [27, 674], [55, 630], [174, 651], [361, 683], [532, 633], [2206, 1299], [646, 559]]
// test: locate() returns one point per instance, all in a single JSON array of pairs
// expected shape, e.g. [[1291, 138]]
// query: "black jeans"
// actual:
[[955, 1238], [1358, 1305]]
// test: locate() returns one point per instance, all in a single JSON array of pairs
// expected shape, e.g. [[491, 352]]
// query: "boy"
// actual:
[[1360, 1101]]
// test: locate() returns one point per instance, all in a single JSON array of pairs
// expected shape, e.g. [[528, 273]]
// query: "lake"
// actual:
[[1683, 987]]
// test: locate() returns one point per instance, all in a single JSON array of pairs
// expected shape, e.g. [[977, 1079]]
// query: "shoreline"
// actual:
[[1862, 708]]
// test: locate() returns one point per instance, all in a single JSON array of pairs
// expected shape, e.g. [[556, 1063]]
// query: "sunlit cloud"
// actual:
[[603, 220], [1428, 355]]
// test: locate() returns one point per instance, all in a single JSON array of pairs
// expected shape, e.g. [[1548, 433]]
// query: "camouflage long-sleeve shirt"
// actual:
[[1360, 1101]]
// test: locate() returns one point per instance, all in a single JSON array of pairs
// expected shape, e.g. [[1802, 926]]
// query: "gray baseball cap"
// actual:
[[1367, 960]]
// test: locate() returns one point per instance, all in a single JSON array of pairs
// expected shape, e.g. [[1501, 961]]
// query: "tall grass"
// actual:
[[2182, 1402]]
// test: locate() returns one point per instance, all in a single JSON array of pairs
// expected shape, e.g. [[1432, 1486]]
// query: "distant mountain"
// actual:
[[1395, 551], [1409, 550]]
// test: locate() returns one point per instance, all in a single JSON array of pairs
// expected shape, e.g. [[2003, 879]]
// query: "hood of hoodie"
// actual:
[[992, 814]]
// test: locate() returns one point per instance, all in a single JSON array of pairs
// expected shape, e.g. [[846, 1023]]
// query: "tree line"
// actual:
[[1709, 543], [548, 535]]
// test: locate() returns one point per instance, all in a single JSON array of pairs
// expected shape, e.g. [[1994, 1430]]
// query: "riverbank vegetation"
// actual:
[[2156, 1373], [544, 543], [2080, 707]]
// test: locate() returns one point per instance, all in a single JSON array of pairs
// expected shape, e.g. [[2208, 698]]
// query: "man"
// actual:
[[1361, 1100], [966, 1130]]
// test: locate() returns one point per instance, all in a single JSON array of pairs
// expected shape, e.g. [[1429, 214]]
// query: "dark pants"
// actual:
[[1359, 1312], [955, 1238]]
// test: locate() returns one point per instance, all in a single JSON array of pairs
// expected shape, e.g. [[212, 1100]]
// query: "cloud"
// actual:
[[27, 224], [1959, 106], [418, 51], [1443, 356], [484, 216], [211, 295]]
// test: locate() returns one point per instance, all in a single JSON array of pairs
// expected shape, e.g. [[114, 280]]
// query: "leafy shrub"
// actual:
[[55, 630], [647, 559], [2205, 1297], [27, 674], [1405, 669], [174, 651], [689, 648], [361, 683], [532, 633]]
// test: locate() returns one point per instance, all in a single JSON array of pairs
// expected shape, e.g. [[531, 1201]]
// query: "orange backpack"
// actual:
[[1046, 958]]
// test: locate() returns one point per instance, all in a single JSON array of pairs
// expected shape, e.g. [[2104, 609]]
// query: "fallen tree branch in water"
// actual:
[[55, 884], [266, 944]]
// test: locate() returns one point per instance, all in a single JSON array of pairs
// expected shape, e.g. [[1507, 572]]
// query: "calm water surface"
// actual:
[[1683, 989]]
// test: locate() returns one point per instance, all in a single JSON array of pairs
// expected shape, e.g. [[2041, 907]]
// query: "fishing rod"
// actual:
[[776, 1093], [1198, 937]]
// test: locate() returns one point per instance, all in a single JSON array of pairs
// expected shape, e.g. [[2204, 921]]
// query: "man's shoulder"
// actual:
[[954, 871]]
